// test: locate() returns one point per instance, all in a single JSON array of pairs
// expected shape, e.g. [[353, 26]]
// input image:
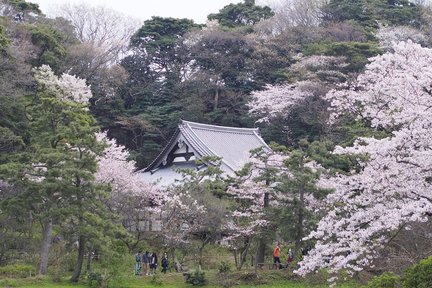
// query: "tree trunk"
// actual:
[[81, 252], [261, 250], [201, 249], [260, 254], [45, 246], [216, 99], [243, 254], [299, 228], [89, 258], [235, 258]]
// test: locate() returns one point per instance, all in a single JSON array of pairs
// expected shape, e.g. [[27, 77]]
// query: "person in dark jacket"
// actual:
[[145, 263], [153, 262], [165, 264]]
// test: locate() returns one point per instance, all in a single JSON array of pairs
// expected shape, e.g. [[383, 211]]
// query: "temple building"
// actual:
[[192, 141]]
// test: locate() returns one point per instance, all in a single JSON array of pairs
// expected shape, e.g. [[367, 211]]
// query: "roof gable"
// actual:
[[230, 143]]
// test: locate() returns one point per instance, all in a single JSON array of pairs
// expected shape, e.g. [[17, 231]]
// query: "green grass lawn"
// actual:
[[121, 271], [265, 279]]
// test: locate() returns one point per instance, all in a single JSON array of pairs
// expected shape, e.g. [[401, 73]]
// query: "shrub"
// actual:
[[17, 271], [420, 275], [224, 267], [196, 278], [385, 280], [94, 279], [248, 276], [8, 283], [156, 279]]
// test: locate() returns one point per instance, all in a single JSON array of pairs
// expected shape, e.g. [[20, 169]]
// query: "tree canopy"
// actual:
[[341, 89]]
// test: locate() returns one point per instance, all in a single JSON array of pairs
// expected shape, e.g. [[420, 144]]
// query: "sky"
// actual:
[[144, 9]]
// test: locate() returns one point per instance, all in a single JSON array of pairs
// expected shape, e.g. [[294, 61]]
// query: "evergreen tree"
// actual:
[[244, 14], [55, 171]]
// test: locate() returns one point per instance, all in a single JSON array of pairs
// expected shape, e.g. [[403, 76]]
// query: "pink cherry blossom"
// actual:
[[393, 186]]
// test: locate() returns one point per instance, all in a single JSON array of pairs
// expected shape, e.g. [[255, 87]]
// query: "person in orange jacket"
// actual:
[[276, 255]]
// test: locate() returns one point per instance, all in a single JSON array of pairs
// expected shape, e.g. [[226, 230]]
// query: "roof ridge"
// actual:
[[196, 125]]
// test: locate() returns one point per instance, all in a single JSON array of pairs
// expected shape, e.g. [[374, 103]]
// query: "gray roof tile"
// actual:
[[230, 143]]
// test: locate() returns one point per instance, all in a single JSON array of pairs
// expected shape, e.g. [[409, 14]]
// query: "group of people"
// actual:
[[149, 263], [276, 257]]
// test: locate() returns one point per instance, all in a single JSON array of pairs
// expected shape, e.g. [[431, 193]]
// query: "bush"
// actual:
[[248, 277], [156, 279], [196, 278], [17, 271], [385, 280], [224, 267], [8, 283], [420, 275], [95, 279]]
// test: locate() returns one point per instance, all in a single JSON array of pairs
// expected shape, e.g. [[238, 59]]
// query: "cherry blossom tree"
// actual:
[[181, 215], [392, 187], [275, 100], [247, 218], [66, 87], [130, 197], [299, 109], [192, 213], [314, 72], [388, 35], [259, 192]]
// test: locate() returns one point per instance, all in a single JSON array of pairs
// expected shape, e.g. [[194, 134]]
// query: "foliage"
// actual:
[[356, 53], [156, 279], [157, 65], [341, 10], [95, 279], [297, 195], [278, 99], [161, 34], [176, 69], [250, 195], [117, 170], [241, 14], [23, 5], [385, 280], [419, 275], [13, 123], [55, 171], [4, 41], [196, 278], [369, 13], [9, 141], [227, 57], [193, 212], [52, 50], [394, 99], [289, 112], [387, 36], [17, 271], [224, 267]]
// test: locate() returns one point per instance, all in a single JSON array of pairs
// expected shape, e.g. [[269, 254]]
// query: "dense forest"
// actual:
[[340, 88]]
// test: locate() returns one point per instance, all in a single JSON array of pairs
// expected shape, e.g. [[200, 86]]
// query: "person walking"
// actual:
[[165, 263], [153, 262], [145, 263], [276, 256], [290, 255], [138, 263]]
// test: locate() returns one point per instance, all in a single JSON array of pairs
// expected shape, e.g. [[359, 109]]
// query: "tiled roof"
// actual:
[[230, 143]]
